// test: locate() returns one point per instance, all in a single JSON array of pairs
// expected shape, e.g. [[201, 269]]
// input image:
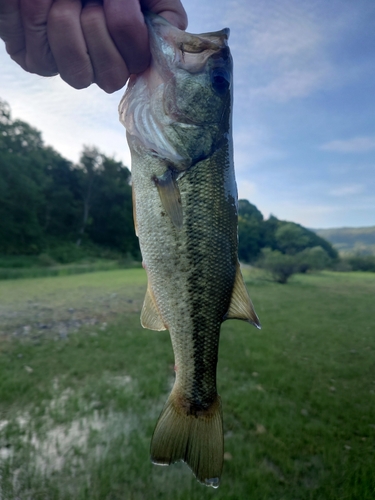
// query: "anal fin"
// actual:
[[240, 306], [150, 315]]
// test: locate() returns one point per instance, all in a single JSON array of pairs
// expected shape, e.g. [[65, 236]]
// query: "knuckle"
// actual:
[[76, 84], [131, 25], [16, 53], [79, 79], [111, 80], [43, 67], [110, 88], [60, 14], [35, 19], [91, 16]]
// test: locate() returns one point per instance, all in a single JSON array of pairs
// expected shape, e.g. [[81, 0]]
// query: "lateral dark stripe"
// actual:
[[212, 254]]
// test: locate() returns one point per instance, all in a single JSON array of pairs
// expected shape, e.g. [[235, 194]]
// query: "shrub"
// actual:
[[281, 266], [342, 266], [312, 259], [46, 260], [361, 262], [66, 253]]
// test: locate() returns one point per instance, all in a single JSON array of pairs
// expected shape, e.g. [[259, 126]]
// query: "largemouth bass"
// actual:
[[178, 120]]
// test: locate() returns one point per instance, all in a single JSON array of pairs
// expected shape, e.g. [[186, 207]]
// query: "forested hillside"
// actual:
[[46, 201], [48, 204], [351, 240], [255, 233]]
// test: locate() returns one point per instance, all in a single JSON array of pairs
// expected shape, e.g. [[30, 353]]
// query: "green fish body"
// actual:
[[178, 120]]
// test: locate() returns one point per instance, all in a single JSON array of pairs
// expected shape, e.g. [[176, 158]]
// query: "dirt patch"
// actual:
[[47, 316]]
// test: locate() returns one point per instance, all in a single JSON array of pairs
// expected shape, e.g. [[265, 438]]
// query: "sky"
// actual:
[[304, 106]]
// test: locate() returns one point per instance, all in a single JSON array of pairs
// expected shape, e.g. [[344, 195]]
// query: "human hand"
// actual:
[[88, 41]]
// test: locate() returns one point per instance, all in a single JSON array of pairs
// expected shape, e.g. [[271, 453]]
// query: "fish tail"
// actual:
[[197, 439]]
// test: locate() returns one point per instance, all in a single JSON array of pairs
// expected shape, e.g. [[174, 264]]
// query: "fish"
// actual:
[[178, 120]]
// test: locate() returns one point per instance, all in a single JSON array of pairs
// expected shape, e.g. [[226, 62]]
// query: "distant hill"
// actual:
[[350, 240]]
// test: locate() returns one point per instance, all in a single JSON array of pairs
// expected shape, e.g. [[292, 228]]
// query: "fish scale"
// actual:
[[178, 120]]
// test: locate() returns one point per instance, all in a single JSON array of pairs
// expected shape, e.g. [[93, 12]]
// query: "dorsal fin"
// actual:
[[240, 306]]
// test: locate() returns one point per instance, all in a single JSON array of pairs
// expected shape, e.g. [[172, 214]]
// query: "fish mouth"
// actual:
[[196, 42], [172, 47]]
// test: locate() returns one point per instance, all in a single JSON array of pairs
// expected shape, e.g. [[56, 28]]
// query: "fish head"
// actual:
[[196, 70], [180, 107]]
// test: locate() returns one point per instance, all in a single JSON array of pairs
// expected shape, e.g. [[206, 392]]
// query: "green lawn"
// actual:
[[77, 411]]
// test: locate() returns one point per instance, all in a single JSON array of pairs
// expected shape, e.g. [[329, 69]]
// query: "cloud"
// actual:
[[252, 148], [294, 83], [275, 33], [68, 118], [309, 215], [353, 145], [347, 190], [283, 48], [246, 189]]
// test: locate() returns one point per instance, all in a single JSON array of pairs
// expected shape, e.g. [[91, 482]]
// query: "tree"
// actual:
[[281, 266], [312, 259], [22, 174], [90, 165], [291, 238], [62, 211], [250, 231], [269, 229], [111, 211], [249, 211], [249, 239], [20, 201], [46, 202]]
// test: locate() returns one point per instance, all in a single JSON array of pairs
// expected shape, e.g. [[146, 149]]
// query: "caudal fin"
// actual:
[[195, 439]]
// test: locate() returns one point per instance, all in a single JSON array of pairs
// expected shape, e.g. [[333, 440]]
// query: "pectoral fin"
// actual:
[[134, 212], [241, 306], [150, 316], [170, 197]]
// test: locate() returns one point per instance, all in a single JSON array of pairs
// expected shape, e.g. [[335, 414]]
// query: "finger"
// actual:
[[68, 44], [110, 70], [11, 30], [38, 58], [172, 10], [126, 25]]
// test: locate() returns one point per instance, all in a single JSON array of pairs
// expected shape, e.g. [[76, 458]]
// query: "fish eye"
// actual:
[[220, 80]]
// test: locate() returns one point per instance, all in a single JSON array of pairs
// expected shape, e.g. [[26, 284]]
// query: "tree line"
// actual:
[[281, 247], [48, 202]]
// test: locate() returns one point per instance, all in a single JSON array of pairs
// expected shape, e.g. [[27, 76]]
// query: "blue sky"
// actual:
[[304, 114]]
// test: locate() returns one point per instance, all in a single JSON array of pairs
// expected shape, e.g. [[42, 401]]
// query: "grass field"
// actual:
[[41, 266], [82, 385]]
